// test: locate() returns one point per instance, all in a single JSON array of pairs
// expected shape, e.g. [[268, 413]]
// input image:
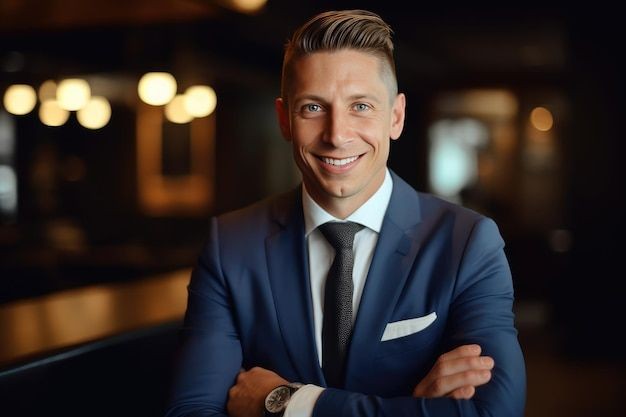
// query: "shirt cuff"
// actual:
[[303, 401]]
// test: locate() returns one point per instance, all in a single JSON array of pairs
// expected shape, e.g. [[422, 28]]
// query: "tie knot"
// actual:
[[340, 234]]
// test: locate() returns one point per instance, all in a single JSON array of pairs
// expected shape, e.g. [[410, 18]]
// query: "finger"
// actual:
[[444, 386], [455, 366], [241, 375], [458, 368], [463, 393], [447, 385], [453, 361], [462, 352]]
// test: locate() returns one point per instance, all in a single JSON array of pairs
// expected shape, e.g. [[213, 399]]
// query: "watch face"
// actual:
[[277, 399]]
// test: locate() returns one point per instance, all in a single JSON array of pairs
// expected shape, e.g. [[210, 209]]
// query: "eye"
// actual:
[[361, 107], [311, 108]]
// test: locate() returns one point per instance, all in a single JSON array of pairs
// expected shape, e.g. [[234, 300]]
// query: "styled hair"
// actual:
[[359, 30]]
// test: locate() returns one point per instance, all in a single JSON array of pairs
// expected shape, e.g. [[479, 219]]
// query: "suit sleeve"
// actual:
[[209, 356], [480, 312]]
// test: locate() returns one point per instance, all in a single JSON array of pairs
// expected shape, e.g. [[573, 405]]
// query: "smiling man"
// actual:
[[353, 295], [339, 112]]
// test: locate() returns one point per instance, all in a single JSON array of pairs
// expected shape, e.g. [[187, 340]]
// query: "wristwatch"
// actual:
[[278, 398]]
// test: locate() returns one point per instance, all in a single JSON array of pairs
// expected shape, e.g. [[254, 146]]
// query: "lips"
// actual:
[[339, 162], [341, 165]]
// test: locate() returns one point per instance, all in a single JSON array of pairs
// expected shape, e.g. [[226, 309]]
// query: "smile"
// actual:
[[339, 162]]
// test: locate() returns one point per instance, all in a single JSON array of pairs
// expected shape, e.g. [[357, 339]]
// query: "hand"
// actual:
[[456, 374], [247, 397]]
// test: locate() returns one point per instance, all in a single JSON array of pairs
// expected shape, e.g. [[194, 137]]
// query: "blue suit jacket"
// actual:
[[250, 305]]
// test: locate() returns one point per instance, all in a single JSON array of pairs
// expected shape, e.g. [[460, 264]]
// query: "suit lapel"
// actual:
[[393, 257], [289, 279]]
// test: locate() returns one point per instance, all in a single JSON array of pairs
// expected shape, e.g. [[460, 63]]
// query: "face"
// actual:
[[340, 119]]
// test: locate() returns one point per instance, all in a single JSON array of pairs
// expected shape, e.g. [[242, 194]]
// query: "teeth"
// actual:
[[339, 162]]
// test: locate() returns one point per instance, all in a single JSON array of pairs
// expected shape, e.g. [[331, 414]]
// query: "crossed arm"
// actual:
[[465, 381], [456, 374]]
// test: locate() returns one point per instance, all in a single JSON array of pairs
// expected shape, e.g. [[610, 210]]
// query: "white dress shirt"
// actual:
[[321, 255]]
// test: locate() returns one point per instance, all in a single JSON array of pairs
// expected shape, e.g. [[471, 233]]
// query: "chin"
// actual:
[[340, 191]]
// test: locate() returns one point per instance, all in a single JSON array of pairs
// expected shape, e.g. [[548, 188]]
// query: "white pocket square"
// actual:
[[407, 327]]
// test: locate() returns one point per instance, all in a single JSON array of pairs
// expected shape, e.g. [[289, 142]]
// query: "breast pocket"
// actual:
[[410, 335], [403, 328]]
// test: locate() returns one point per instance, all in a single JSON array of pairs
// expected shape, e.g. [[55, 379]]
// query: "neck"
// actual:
[[341, 210], [343, 206]]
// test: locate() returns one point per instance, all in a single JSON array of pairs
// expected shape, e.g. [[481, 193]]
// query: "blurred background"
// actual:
[[125, 125]]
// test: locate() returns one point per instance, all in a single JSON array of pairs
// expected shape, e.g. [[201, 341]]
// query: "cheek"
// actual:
[[374, 132], [304, 135], [301, 154], [383, 151], [379, 142]]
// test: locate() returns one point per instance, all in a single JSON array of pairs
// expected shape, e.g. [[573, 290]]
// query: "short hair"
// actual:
[[360, 30]]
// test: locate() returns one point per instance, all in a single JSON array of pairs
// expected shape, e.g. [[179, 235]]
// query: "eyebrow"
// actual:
[[354, 97]]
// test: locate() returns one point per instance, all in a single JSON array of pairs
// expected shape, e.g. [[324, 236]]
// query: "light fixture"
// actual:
[[73, 94], [200, 100], [47, 91], [157, 88], [51, 114], [96, 114], [247, 6], [175, 110], [541, 119], [20, 99]]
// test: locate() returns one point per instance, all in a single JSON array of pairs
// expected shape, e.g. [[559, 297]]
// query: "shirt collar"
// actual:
[[370, 214]]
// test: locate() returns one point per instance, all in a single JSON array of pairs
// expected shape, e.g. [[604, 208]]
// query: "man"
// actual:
[[422, 326]]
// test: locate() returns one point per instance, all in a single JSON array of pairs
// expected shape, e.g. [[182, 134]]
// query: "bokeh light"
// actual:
[[175, 110], [200, 100], [20, 99], [541, 119], [157, 88], [73, 94], [47, 91], [96, 114], [51, 114]]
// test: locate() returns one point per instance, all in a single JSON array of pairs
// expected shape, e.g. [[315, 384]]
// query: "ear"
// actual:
[[397, 116], [282, 112]]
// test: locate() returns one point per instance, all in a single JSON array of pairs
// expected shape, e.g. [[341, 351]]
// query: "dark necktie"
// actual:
[[337, 324]]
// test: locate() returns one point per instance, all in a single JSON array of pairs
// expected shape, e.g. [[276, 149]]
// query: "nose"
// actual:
[[338, 129]]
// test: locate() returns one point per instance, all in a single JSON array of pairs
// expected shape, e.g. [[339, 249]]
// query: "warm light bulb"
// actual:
[[95, 114], [20, 99], [200, 100], [47, 91], [73, 94], [248, 6], [157, 88], [51, 114], [541, 119], [175, 110]]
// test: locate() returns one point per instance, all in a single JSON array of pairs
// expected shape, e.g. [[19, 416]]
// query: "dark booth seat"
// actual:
[[123, 375]]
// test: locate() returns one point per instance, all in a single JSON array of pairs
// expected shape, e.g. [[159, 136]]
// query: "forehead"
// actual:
[[338, 70]]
